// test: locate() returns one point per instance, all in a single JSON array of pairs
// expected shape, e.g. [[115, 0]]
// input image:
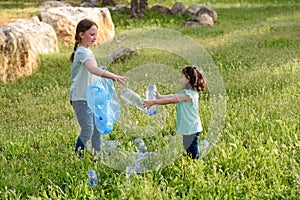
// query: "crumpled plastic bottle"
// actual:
[[140, 145], [93, 178]]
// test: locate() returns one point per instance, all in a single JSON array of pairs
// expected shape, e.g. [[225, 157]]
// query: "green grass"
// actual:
[[255, 46]]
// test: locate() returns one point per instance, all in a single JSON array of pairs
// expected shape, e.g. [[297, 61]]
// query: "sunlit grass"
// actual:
[[255, 46], [11, 12]]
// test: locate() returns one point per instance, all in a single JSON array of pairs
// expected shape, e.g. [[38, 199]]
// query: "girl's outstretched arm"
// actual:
[[159, 96], [101, 72], [171, 99]]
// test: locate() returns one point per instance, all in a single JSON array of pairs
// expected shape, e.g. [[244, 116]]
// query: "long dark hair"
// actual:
[[82, 26], [196, 78]]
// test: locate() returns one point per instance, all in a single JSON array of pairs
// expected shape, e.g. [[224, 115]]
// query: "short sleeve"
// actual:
[[83, 55], [191, 94]]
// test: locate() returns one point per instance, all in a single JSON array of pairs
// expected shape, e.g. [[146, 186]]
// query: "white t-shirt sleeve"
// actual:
[[84, 55]]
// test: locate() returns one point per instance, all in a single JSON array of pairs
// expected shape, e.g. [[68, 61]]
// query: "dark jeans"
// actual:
[[190, 143]]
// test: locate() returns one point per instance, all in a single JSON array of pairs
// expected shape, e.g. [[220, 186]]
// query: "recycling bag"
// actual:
[[102, 99]]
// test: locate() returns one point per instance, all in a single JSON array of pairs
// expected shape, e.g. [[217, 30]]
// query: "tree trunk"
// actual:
[[143, 6], [138, 9]]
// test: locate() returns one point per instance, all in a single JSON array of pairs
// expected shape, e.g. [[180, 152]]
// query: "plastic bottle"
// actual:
[[136, 167], [204, 147], [111, 145], [151, 95], [140, 145], [133, 99], [204, 144], [93, 178]]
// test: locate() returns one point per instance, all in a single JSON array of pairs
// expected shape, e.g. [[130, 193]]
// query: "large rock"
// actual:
[[17, 56], [201, 15], [65, 19], [161, 9], [21, 43], [178, 8], [41, 36], [203, 19], [121, 54], [197, 11]]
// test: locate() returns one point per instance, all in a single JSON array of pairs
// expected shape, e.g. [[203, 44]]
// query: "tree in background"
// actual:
[[138, 7]]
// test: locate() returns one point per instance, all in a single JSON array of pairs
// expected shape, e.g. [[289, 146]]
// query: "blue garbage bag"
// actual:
[[103, 101]]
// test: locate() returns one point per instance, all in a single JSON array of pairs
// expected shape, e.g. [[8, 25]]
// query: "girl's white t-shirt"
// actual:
[[80, 76]]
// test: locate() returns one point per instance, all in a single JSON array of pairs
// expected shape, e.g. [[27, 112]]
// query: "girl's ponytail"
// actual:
[[201, 81], [72, 55], [196, 78]]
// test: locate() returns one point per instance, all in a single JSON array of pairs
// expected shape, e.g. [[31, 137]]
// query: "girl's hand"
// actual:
[[120, 79], [148, 103]]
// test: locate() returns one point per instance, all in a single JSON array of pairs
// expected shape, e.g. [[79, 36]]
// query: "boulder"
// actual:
[[204, 19], [65, 19], [197, 11], [41, 36], [201, 15], [17, 56], [21, 43], [178, 8], [121, 54], [193, 9], [161, 9]]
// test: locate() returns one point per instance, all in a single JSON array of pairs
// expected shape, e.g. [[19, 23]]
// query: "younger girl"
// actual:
[[84, 72], [188, 120]]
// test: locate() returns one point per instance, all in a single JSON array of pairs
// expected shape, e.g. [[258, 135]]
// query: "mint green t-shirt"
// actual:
[[188, 120], [80, 76]]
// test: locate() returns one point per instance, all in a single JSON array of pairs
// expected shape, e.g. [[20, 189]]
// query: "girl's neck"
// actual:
[[188, 87], [83, 45]]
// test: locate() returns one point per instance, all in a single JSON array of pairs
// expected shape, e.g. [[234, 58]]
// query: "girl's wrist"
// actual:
[[154, 101], [116, 78], [103, 72]]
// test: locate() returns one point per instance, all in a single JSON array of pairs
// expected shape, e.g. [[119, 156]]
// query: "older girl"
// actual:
[[84, 72]]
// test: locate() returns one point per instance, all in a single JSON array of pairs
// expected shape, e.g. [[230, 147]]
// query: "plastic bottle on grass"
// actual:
[[140, 145], [93, 178], [204, 143], [133, 99], [151, 95], [111, 145], [204, 146]]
